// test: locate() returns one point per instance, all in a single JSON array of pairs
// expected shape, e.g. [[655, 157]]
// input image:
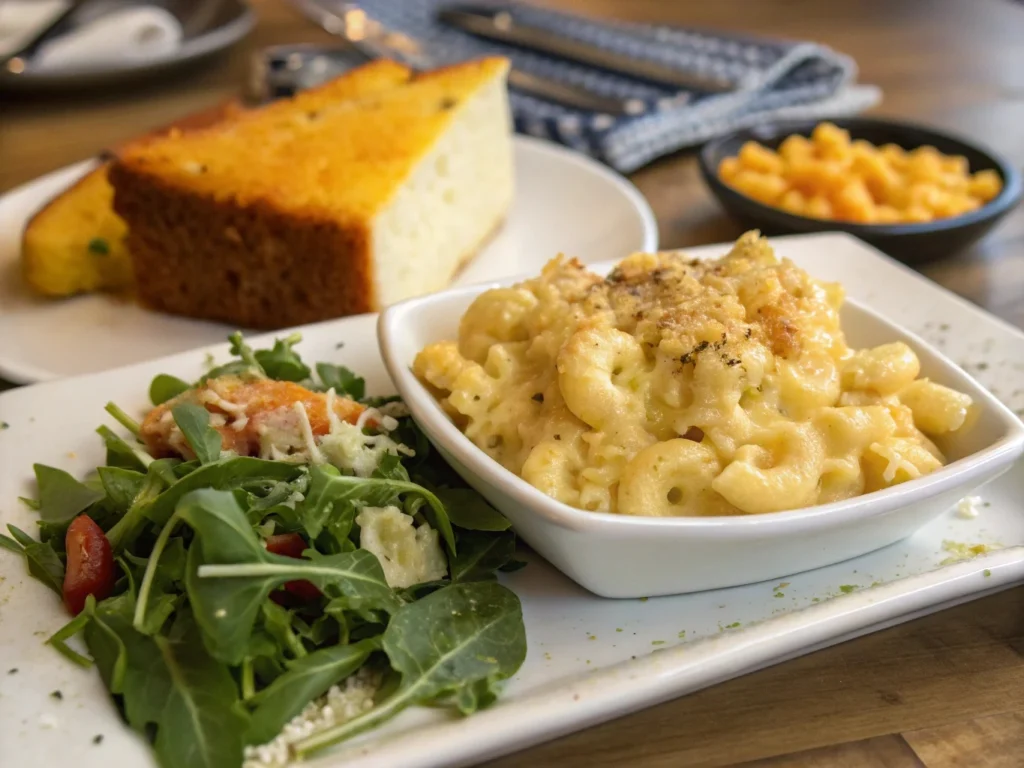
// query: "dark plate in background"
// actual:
[[208, 26], [911, 243]]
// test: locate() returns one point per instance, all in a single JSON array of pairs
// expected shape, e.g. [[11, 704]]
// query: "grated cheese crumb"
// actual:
[[341, 703], [969, 507]]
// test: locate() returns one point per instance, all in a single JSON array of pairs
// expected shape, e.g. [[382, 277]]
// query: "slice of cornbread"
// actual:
[[318, 207], [76, 243]]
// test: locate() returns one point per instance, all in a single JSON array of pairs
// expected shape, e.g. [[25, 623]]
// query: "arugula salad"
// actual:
[[272, 562]]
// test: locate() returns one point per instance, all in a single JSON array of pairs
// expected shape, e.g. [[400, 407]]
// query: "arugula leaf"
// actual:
[[124, 531], [123, 418], [165, 387], [468, 509], [480, 555], [476, 638], [194, 422], [476, 696], [222, 475], [324, 503], [240, 349], [328, 488], [247, 365], [11, 545], [121, 454], [305, 680], [172, 685], [341, 380], [161, 608], [277, 622], [122, 486], [104, 644], [58, 640], [281, 363], [169, 571], [390, 467], [61, 497], [43, 562], [230, 575], [179, 468]]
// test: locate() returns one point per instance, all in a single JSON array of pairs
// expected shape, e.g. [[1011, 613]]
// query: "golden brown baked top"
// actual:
[[339, 151], [678, 387]]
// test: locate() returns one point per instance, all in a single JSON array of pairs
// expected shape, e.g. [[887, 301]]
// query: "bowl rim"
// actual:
[[440, 430], [1009, 196]]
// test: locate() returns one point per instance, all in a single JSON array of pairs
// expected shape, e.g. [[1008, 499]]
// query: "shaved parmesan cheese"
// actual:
[[208, 396], [346, 447], [306, 430], [408, 554]]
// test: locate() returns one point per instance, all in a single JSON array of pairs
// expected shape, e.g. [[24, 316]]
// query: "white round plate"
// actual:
[[565, 203]]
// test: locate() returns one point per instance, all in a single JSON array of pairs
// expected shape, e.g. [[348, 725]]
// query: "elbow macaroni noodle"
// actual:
[[685, 388]]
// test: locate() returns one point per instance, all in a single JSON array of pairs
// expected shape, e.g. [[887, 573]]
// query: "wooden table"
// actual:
[[943, 691]]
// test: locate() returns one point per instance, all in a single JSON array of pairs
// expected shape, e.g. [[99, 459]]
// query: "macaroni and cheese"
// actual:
[[678, 388], [831, 177]]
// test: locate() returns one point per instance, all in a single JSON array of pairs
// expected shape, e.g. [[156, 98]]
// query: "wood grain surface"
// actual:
[[946, 691]]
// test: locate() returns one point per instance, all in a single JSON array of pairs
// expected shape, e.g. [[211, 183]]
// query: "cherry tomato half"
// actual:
[[293, 545], [90, 566]]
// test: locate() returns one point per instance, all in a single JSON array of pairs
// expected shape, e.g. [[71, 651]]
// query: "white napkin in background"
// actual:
[[125, 36]]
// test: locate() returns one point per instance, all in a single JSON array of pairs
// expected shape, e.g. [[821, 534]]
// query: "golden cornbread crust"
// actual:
[[266, 221]]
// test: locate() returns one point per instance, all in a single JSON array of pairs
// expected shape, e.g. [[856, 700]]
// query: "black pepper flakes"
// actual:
[[4, 425], [982, 366], [57, 695], [97, 739], [538, 397], [558, 437], [475, 398], [340, 345], [447, 104], [689, 356], [12, 671], [749, 333]]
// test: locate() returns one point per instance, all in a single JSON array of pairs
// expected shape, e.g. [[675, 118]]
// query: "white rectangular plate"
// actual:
[[590, 659]]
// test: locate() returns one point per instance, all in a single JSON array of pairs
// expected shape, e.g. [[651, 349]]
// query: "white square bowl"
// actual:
[[626, 556]]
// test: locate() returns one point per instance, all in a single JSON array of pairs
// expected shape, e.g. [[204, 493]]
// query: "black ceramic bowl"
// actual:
[[907, 242]]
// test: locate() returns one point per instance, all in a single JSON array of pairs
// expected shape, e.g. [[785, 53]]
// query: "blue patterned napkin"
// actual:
[[773, 79]]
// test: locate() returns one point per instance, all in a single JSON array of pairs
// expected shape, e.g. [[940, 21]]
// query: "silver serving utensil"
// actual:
[[502, 26], [374, 41]]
